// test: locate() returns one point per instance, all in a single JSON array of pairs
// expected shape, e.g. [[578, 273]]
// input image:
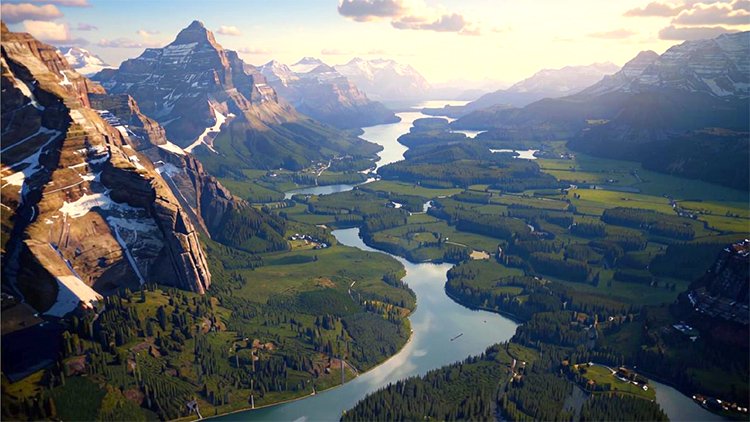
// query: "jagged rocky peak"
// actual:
[[195, 32], [194, 76], [639, 63], [719, 67], [87, 213]]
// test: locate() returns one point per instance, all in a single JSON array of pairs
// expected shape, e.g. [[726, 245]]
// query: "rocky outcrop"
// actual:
[[85, 213]]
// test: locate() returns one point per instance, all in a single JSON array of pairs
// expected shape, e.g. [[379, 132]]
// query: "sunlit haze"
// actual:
[[475, 40]]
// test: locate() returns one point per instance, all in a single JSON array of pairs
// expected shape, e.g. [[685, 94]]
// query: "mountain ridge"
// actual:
[[91, 213], [230, 103], [319, 91]]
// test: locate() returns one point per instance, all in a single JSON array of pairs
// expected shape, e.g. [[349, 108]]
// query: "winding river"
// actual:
[[435, 322]]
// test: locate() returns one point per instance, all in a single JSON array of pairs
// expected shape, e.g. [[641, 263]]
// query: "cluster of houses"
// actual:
[[628, 375], [309, 240]]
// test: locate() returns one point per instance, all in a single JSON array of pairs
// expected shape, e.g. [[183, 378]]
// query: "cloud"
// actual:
[[335, 52], [229, 30], [86, 27], [715, 14], [655, 9], [145, 33], [692, 32], [408, 14], [66, 3], [368, 10], [126, 43], [613, 35], [17, 12], [254, 51], [47, 31]]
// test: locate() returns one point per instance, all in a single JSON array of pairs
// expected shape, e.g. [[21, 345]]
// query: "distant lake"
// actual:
[[527, 154]]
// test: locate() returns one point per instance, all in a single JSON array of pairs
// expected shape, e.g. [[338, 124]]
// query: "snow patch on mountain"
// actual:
[[204, 137]]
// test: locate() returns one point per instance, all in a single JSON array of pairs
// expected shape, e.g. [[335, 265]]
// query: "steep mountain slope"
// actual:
[[208, 204], [83, 61], [209, 100], [385, 79], [324, 94], [547, 83], [684, 94], [83, 212]]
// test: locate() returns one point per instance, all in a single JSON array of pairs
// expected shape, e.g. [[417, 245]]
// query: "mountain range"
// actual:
[[319, 91], [384, 79], [195, 76], [83, 61], [547, 83], [683, 104]]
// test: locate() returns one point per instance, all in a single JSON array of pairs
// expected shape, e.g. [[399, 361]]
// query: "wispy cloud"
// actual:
[[66, 3], [413, 15], [655, 8], [697, 19], [18, 12], [229, 30], [715, 14], [146, 33], [254, 51], [86, 27], [126, 43], [692, 32], [52, 33], [335, 52], [369, 10]]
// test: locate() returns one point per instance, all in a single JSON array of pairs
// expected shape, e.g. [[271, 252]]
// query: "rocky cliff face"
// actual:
[[321, 92], [84, 211], [207, 203]]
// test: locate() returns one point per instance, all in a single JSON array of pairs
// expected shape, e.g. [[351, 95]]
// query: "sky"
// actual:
[[445, 40]]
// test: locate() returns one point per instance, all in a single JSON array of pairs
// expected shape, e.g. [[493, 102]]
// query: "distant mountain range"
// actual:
[[682, 105], [319, 91], [547, 83], [211, 102], [83, 61], [385, 79]]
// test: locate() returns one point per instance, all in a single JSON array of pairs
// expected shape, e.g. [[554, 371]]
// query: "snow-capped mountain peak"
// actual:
[[306, 64], [385, 78], [719, 67], [83, 61]]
